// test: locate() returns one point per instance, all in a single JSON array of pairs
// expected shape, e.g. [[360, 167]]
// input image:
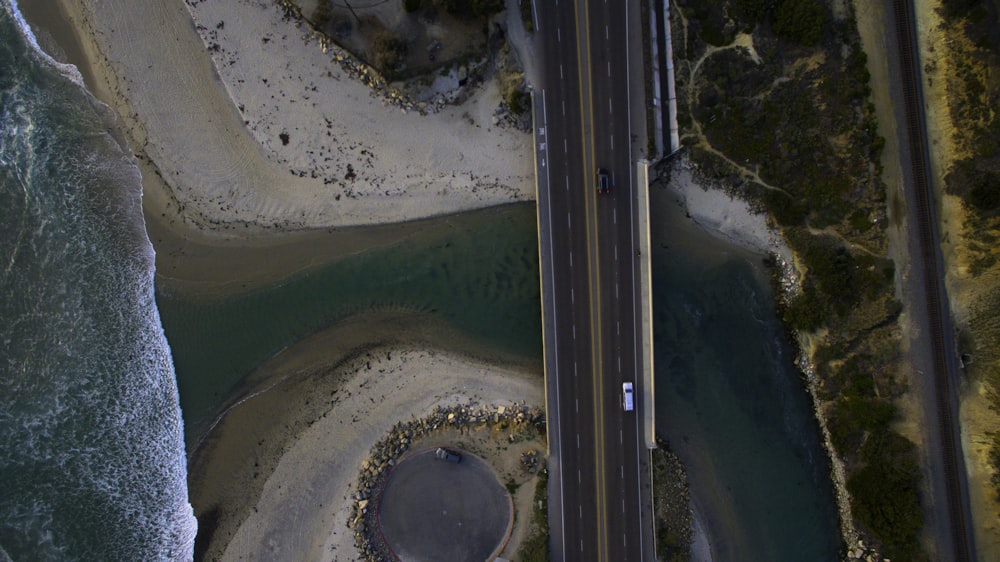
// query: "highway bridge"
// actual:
[[591, 169], [591, 137]]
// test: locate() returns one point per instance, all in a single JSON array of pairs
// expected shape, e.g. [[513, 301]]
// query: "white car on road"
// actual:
[[627, 403]]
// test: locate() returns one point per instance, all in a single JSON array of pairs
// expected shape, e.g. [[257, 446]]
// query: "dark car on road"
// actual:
[[446, 455], [603, 181]]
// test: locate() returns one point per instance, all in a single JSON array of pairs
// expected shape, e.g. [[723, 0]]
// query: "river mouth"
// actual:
[[476, 274], [728, 396]]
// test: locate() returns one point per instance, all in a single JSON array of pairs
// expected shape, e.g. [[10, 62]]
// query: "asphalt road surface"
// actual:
[[432, 509], [588, 245]]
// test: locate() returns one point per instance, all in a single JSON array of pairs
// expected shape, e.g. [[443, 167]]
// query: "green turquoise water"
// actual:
[[731, 402], [727, 394], [478, 274]]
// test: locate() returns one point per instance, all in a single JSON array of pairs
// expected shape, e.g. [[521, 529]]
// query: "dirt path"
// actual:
[[742, 41]]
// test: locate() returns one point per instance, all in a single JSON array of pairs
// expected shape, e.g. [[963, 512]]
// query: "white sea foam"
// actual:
[[68, 70], [91, 425]]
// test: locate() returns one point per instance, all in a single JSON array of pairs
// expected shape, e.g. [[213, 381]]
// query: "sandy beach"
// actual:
[[724, 216], [231, 203], [269, 133], [275, 475]]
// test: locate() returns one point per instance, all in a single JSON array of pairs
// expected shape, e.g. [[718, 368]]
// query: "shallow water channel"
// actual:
[[728, 397]]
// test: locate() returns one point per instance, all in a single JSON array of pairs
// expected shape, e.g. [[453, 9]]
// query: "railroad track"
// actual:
[[943, 371]]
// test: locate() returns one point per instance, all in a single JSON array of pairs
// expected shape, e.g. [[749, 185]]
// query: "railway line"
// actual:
[[944, 373]]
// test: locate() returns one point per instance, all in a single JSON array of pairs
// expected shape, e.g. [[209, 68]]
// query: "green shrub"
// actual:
[[850, 419], [994, 459], [885, 494], [536, 547], [800, 21], [519, 101], [985, 193], [389, 54], [806, 312], [786, 210], [468, 9], [754, 11]]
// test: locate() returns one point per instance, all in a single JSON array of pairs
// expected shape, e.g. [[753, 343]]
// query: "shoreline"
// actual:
[[724, 216], [207, 173], [296, 444], [187, 239]]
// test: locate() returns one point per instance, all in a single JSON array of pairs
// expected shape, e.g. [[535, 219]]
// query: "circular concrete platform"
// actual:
[[432, 509]]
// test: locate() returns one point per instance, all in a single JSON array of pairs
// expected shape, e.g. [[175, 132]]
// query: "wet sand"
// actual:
[[274, 476]]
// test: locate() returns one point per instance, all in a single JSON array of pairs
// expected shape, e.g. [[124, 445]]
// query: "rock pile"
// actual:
[[672, 504], [860, 551], [386, 452]]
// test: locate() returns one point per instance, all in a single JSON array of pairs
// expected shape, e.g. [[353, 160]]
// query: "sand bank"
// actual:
[[724, 216], [271, 134], [274, 477]]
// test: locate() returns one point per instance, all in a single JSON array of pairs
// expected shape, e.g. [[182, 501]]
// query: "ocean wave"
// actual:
[[92, 463], [69, 71]]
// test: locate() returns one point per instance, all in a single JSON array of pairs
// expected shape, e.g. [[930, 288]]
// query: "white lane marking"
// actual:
[[614, 215], [567, 183], [578, 445], [610, 110], [574, 331], [619, 330], [612, 143], [635, 333], [565, 143], [558, 35], [621, 439], [571, 260], [619, 363], [578, 405], [616, 253], [561, 77], [572, 296], [606, 35], [616, 289], [609, 69], [578, 477], [555, 326]]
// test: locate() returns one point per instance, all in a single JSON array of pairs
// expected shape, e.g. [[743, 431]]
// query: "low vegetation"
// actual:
[[405, 39], [390, 53], [536, 547], [777, 107], [973, 91]]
